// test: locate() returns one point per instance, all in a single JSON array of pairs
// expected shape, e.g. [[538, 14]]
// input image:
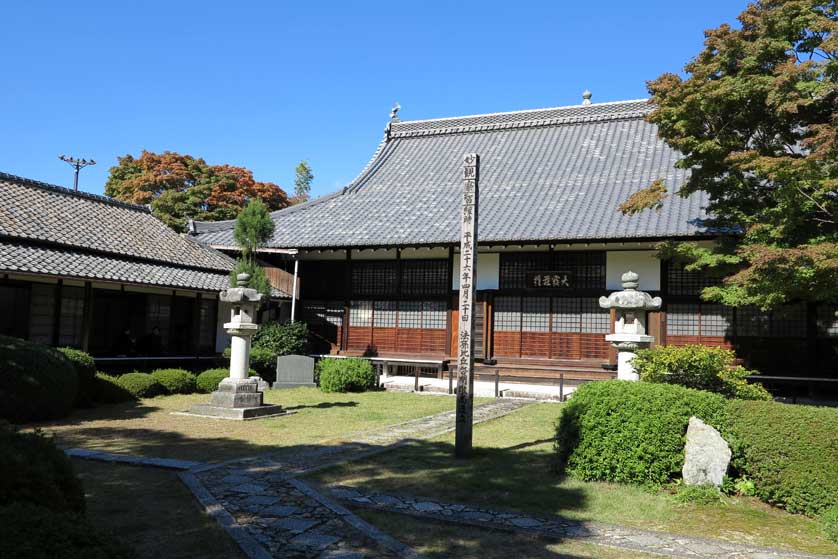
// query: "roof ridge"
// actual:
[[521, 111], [70, 192]]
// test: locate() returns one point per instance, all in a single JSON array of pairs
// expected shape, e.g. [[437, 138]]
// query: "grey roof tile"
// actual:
[[545, 175], [47, 229]]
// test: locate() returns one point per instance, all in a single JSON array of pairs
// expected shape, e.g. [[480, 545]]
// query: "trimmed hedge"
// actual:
[[352, 374], [175, 381], [31, 532], [208, 380], [85, 370], [701, 367], [790, 452], [631, 432], [286, 338], [108, 390], [140, 385], [37, 382], [34, 471]]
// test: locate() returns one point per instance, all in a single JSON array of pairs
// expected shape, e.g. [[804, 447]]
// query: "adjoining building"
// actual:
[[86, 271], [378, 259]]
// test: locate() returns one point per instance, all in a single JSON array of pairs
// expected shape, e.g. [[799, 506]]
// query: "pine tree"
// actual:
[[253, 230], [302, 182]]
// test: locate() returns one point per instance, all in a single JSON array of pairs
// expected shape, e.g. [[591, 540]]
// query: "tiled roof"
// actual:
[[33, 259], [53, 230], [545, 175]]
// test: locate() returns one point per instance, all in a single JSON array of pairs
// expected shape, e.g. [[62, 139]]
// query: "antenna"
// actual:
[[77, 164]]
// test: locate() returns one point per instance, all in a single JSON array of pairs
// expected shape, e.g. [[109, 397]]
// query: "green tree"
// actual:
[[179, 187], [302, 182], [756, 119], [253, 230]]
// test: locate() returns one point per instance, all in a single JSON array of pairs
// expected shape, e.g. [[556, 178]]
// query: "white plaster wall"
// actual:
[[642, 262], [488, 271]]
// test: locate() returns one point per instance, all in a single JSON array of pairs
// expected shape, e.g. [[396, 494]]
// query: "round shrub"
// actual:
[[630, 432], [286, 338], [175, 381], [701, 367], [85, 371], [28, 531], [829, 519], [37, 382], [140, 385], [352, 374], [790, 453], [107, 390], [208, 380], [33, 470]]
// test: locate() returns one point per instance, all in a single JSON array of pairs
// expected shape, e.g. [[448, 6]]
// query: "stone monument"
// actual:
[[293, 371], [630, 325], [468, 278], [239, 396], [706, 455]]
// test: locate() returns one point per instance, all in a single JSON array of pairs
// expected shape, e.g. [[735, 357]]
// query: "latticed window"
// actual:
[[535, 315], [507, 314], [716, 320], [434, 315], [750, 321], [682, 319], [424, 277], [374, 278], [410, 314], [595, 319], [828, 321], [322, 312], [580, 315], [685, 282], [41, 313], [72, 312], [323, 279], [789, 321], [360, 313], [586, 269], [385, 314]]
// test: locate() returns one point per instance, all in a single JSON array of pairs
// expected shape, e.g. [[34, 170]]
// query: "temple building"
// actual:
[[378, 259], [86, 271]]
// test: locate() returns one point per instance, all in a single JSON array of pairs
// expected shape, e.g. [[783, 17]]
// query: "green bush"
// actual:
[[140, 385], [829, 519], [34, 470], [698, 494], [289, 338], [790, 453], [701, 367], [262, 361], [85, 371], [107, 390], [175, 381], [28, 531], [631, 432], [37, 382], [352, 374], [208, 380]]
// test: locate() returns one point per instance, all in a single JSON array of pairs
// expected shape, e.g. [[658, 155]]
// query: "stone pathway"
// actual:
[[556, 527]]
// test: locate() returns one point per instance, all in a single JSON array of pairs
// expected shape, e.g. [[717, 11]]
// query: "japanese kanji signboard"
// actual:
[[549, 280]]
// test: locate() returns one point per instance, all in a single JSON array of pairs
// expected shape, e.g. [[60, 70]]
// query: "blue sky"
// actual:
[[266, 84]]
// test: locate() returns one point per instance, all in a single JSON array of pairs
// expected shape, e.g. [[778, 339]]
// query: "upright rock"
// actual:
[[706, 455]]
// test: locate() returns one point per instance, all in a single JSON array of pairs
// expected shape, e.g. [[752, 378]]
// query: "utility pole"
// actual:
[[77, 164]]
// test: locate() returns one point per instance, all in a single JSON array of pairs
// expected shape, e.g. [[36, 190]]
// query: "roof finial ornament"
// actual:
[[394, 113], [586, 97]]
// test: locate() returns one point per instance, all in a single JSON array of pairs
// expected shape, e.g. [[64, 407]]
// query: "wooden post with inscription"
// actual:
[[468, 283]]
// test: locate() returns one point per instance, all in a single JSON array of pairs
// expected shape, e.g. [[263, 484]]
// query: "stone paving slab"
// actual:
[[167, 463], [556, 527]]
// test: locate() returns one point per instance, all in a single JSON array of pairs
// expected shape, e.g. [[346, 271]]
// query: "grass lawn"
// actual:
[[153, 512], [149, 428], [440, 541], [512, 469]]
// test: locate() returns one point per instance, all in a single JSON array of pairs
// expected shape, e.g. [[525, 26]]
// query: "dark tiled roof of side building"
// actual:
[[47, 229], [554, 174]]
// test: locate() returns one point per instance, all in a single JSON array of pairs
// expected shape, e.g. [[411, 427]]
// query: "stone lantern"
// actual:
[[239, 396], [629, 334]]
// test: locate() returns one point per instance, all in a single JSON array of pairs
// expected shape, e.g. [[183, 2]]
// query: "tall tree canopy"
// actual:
[[179, 187], [253, 230], [302, 182], [756, 118]]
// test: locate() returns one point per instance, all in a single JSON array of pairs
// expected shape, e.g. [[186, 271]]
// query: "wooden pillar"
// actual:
[[87, 316], [347, 297], [56, 314]]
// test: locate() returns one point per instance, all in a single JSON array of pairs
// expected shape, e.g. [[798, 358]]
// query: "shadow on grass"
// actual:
[[322, 406]]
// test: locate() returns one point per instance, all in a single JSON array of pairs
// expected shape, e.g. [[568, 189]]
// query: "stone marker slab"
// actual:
[[706, 455], [293, 371]]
